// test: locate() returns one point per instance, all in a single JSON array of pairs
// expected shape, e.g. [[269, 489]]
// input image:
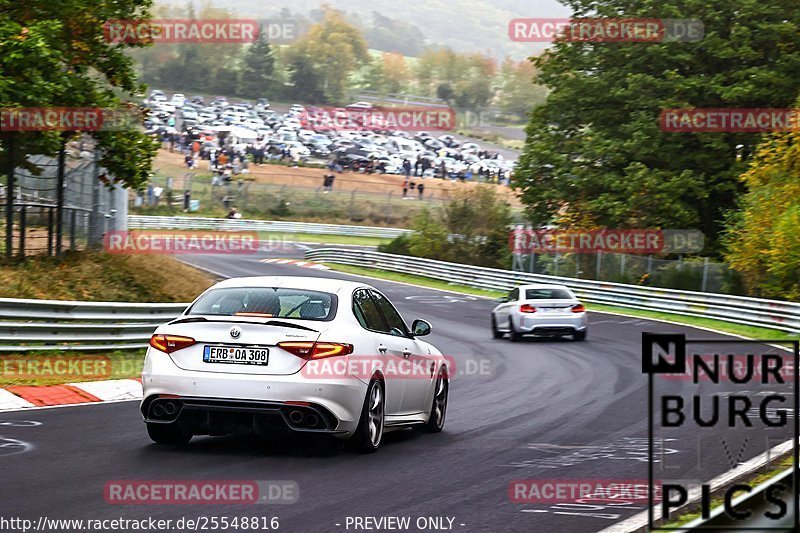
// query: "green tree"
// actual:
[[258, 69], [762, 239], [472, 229], [596, 147], [55, 54], [325, 57], [518, 92]]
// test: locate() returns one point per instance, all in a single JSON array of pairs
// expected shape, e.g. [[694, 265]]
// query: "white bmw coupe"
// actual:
[[311, 354]]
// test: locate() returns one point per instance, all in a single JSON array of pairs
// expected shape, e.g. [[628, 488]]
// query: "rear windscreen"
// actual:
[[547, 294], [266, 302]]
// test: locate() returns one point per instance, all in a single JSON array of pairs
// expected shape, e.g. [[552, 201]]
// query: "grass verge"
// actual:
[[719, 325], [753, 481], [54, 368], [98, 276]]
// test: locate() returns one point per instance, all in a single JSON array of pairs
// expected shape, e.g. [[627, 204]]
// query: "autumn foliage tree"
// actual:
[[763, 237], [56, 54]]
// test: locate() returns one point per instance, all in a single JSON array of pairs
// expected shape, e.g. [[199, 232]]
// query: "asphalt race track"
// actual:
[[540, 409]]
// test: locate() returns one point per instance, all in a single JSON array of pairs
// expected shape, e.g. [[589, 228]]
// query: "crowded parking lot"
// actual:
[[354, 138]]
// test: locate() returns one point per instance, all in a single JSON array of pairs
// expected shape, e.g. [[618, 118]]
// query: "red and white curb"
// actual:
[[296, 262], [24, 396]]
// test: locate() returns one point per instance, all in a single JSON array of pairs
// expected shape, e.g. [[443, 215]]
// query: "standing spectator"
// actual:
[[417, 164], [157, 195], [426, 164], [327, 184], [420, 189], [405, 187], [150, 193], [407, 168]]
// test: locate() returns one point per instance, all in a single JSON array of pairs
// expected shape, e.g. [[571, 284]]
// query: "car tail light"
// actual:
[[170, 343], [578, 308], [316, 350], [527, 308]]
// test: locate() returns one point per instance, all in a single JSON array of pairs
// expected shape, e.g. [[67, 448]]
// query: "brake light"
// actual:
[[316, 350], [170, 343], [578, 308], [527, 308]]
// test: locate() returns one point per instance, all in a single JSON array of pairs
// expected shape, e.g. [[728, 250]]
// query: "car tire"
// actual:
[[580, 335], [172, 434], [513, 334], [438, 412], [495, 332], [369, 433]]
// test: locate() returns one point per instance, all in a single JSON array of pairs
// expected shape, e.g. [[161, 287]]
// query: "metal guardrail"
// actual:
[[270, 226], [773, 314], [27, 325]]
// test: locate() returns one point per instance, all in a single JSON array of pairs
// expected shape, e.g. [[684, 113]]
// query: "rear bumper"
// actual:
[[209, 416], [250, 399], [555, 325]]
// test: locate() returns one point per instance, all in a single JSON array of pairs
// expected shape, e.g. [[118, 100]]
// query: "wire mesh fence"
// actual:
[[684, 273], [302, 198], [90, 208]]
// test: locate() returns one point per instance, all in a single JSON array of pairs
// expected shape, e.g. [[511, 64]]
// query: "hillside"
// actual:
[[464, 25]]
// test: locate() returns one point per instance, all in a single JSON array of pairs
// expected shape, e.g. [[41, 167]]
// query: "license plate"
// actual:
[[236, 355], [551, 309]]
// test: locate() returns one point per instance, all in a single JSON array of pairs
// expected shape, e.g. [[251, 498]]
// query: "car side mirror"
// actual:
[[421, 328]]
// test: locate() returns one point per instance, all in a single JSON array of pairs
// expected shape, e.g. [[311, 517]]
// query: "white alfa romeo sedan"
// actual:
[[308, 354]]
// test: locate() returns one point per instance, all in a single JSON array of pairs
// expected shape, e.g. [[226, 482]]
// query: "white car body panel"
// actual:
[[184, 374]]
